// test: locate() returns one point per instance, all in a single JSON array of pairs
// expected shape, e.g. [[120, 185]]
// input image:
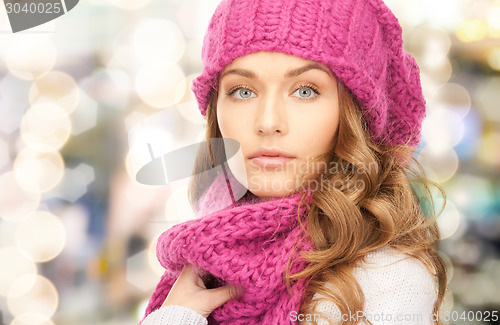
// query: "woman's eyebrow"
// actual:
[[288, 75], [298, 71]]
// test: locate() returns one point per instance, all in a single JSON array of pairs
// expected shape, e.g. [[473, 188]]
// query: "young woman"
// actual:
[[327, 108]]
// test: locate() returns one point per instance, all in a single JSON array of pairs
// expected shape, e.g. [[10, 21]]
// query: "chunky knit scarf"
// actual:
[[247, 244]]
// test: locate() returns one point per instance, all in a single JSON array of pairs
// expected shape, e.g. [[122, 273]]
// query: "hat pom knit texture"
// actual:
[[359, 40]]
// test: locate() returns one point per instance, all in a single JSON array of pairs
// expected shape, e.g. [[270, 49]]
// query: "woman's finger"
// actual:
[[189, 276], [190, 291], [219, 296]]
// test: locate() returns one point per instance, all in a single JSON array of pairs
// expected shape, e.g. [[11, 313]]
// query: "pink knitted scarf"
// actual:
[[246, 244]]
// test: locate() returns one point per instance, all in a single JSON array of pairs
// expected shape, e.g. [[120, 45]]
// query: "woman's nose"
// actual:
[[271, 116]]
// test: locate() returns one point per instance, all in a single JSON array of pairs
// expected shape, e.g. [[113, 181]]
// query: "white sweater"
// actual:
[[398, 291]]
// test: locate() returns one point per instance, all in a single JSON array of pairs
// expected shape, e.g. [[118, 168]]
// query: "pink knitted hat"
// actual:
[[359, 40]]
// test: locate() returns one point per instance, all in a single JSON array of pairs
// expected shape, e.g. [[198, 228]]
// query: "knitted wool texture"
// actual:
[[359, 40], [247, 244]]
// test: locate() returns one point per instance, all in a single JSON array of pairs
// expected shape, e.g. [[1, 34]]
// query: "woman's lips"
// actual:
[[270, 162]]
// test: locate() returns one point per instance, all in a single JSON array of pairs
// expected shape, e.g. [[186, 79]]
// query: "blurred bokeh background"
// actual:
[[78, 233]]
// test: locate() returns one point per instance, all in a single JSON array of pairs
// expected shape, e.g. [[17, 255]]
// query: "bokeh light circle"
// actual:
[[188, 106], [177, 208], [29, 60], [443, 129], [440, 72], [19, 264], [57, 87], [429, 44], [448, 263], [42, 235], [38, 171], [455, 97], [493, 14], [160, 84], [189, 110], [45, 127], [430, 87], [15, 201], [41, 297], [449, 220], [192, 53], [144, 139], [472, 30], [158, 39], [439, 165], [494, 59], [448, 302]]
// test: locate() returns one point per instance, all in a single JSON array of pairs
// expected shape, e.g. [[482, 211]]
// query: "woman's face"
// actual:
[[271, 100]]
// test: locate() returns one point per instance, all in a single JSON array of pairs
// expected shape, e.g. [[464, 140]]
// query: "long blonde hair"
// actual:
[[372, 203]]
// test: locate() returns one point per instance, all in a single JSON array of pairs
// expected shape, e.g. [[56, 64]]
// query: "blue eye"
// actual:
[[307, 92], [243, 93]]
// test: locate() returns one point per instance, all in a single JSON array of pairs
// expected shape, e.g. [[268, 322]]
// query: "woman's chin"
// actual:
[[271, 187]]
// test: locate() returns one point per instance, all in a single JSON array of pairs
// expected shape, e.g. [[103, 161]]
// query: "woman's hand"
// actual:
[[190, 291]]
